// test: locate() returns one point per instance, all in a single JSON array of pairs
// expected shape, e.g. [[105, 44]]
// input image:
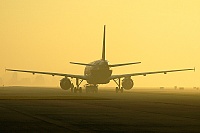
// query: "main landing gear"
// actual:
[[118, 88], [77, 88]]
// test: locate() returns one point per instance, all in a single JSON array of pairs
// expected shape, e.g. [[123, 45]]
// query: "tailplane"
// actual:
[[84, 64], [124, 64]]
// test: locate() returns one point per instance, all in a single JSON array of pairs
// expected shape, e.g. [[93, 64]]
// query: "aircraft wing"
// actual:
[[50, 73], [146, 73]]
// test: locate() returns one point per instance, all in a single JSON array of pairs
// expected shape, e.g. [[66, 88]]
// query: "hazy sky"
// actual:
[[45, 35]]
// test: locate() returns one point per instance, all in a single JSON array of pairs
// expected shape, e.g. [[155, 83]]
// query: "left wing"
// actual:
[[50, 73], [146, 73]]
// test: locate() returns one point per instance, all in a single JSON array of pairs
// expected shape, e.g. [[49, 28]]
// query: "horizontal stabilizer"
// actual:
[[124, 64], [84, 64]]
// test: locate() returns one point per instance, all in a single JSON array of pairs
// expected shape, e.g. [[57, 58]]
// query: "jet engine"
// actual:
[[127, 83], [65, 83]]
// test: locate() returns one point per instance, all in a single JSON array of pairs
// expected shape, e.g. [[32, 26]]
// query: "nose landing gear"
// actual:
[[91, 88], [79, 89]]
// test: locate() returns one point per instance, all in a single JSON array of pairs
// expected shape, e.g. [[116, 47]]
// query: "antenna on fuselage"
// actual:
[[104, 41]]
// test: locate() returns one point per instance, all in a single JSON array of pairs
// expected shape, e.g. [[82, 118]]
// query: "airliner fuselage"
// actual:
[[98, 72]]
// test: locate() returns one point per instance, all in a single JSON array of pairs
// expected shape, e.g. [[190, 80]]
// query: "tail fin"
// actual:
[[104, 49]]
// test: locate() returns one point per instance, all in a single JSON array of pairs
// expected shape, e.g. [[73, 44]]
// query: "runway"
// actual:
[[43, 109]]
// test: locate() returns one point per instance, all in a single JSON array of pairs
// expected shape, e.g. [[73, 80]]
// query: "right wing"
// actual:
[[50, 73], [146, 73]]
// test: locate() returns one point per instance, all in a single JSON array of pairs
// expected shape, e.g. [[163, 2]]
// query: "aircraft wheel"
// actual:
[[80, 90], [93, 90], [75, 89], [72, 89], [96, 90], [117, 89], [122, 90], [72, 86]]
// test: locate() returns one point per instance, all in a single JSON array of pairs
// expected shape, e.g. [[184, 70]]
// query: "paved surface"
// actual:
[[31, 109]]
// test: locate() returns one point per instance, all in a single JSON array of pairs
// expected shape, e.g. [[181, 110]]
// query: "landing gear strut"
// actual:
[[77, 88], [118, 88]]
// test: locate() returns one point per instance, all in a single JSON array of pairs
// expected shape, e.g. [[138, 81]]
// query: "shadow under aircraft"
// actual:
[[98, 72]]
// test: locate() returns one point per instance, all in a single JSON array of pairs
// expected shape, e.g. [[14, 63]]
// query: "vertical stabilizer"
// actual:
[[104, 49]]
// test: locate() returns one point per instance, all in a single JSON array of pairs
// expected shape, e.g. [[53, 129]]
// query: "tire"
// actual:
[[72, 89], [116, 89], [80, 90], [122, 90], [96, 90], [86, 89], [75, 89]]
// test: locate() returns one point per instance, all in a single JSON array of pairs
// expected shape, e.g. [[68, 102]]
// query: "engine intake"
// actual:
[[65, 83], [127, 83]]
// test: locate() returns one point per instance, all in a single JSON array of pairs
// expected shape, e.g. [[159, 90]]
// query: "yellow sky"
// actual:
[[45, 35]]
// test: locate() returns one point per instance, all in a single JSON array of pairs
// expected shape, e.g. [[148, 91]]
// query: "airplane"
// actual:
[[99, 72]]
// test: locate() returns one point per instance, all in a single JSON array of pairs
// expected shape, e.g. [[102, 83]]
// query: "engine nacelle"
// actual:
[[65, 84], [127, 83]]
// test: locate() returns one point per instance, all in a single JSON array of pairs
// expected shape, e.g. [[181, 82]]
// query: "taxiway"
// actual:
[[36, 109]]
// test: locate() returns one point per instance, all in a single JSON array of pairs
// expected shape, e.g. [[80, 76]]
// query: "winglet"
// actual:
[[104, 49]]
